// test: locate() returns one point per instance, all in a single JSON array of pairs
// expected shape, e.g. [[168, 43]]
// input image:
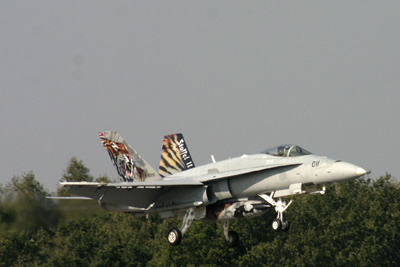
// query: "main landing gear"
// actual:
[[231, 237], [280, 223], [174, 236]]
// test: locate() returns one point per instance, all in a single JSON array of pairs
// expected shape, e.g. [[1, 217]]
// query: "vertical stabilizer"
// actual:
[[175, 156], [130, 166]]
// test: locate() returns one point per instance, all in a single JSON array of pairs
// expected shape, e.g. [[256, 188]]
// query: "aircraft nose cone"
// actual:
[[346, 171], [361, 172]]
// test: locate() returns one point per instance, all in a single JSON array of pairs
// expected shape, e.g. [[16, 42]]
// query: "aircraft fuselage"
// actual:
[[286, 175]]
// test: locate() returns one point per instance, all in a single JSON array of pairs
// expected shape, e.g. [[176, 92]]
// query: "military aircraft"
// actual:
[[236, 188]]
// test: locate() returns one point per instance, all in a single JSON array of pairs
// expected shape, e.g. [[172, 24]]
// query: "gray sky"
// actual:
[[235, 77]]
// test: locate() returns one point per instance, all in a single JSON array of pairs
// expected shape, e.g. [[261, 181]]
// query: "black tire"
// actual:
[[174, 237], [233, 239], [285, 226], [276, 225]]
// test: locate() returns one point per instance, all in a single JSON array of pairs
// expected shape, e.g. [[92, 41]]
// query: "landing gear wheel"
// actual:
[[174, 237], [285, 226], [276, 225], [233, 239]]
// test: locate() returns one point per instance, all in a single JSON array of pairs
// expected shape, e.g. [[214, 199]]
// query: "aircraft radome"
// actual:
[[236, 188]]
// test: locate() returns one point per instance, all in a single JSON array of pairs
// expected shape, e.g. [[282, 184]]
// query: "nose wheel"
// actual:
[[276, 225], [280, 223]]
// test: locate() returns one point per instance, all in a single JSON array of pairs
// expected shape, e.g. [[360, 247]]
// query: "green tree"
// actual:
[[76, 172], [353, 224], [24, 206], [24, 212], [103, 179]]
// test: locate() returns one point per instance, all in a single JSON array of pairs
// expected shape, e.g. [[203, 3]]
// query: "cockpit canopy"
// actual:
[[287, 151]]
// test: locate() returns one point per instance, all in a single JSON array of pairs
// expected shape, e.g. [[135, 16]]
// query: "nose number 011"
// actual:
[[315, 164]]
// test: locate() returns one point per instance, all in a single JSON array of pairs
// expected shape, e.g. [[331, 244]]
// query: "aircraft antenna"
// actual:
[[213, 159]]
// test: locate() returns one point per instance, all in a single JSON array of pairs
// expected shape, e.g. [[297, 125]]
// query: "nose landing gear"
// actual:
[[280, 223]]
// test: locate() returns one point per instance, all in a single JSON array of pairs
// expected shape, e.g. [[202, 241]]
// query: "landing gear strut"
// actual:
[[280, 223], [174, 236], [231, 237]]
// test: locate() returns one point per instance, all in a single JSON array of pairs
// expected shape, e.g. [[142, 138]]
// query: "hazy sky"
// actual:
[[235, 77]]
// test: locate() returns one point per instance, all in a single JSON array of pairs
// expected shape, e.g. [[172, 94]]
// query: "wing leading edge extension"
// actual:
[[214, 174]]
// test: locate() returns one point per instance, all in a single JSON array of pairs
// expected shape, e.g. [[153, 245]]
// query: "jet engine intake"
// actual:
[[219, 190]]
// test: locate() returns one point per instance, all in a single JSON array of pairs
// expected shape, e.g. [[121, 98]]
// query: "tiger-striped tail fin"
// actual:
[[130, 166], [175, 156]]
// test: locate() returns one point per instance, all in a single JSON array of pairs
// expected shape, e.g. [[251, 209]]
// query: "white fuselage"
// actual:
[[305, 170]]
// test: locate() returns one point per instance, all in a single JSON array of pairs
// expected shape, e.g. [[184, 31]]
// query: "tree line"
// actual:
[[354, 224]]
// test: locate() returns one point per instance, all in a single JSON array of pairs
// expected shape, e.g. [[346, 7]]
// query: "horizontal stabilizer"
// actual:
[[68, 198]]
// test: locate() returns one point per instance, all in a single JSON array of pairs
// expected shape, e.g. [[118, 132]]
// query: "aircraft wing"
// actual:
[[160, 195], [134, 196], [145, 189], [95, 190], [148, 184]]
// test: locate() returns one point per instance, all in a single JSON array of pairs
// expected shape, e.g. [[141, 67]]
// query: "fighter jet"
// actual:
[[236, 188]]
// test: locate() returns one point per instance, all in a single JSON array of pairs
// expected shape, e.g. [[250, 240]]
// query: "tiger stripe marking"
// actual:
[[123, 161], [175, 156], [131, 167]]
